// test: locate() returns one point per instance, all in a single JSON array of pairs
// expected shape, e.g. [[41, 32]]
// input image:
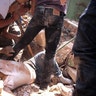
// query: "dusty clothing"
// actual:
[[85, 50], [43, 18], [37, 63], [26, 72], [16, 73]]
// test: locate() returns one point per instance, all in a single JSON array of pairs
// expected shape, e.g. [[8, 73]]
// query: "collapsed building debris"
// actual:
[[64, 58]]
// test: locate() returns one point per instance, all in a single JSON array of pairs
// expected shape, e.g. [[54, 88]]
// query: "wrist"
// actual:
[[13, 19], [14, 16], [1, 50]]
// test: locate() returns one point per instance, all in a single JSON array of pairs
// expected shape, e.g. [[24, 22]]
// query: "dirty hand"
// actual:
[[8, 50], [21, 11], [15, 16]]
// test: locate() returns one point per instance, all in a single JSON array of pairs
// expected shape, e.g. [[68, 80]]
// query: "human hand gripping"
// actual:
[[8, 50], [21, 11]]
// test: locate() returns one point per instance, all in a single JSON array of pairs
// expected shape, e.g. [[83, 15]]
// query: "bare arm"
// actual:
[[5, 22], [8, 50], [21, 10]]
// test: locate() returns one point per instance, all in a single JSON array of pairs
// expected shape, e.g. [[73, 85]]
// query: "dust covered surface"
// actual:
[[34, 90]]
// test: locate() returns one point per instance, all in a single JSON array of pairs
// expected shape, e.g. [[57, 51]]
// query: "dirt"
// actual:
[[28, 90]]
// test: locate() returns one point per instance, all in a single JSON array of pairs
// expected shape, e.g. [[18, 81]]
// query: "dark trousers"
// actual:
[[84, 49], [43, 18], [86, 78]]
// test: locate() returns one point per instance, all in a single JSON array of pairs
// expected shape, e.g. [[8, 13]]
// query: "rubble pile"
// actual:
[[64, 58]]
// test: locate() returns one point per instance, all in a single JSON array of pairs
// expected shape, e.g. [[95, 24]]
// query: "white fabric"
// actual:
[[16, 73], [4, 7]]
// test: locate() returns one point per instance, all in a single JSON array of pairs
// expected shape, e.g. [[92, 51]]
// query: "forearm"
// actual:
[[6, 22], [25, 40], [10, 36], [14, 16]]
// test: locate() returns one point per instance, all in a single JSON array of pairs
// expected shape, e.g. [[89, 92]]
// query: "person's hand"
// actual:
[[8, 50], [15, 16], [21, 11]]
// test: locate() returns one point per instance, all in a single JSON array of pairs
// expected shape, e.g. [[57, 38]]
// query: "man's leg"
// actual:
[[31, 31], [38, 61], [86, 79], [84, 48], [52, 34]]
